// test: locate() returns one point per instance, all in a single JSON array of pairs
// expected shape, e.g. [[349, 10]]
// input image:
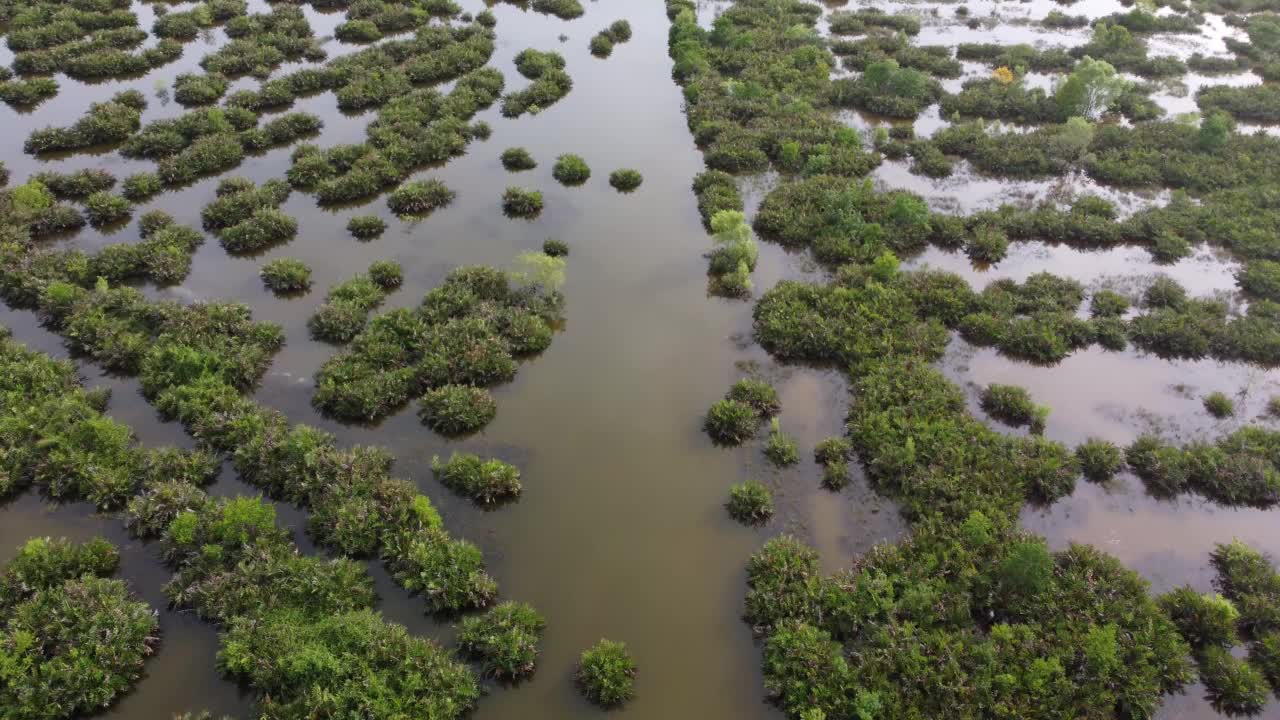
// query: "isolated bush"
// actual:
[[521, 202], [504, 640], [731, 422], [750, 502], [1099, 460], [386, 273], [555, 248], [1219, 405], [1012, 405], [104, 208], [366, 226], [571, 170], [457, 409], [140, 187], [760, 395], [286, 275], [606, 674], [419, 197], [517, 158], [484, 481], [625, 180], [780, 448]]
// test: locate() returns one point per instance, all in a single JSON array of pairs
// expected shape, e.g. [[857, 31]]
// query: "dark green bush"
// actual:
[[606, 674], [190, 90], [286, 275], [1203, 620], [1108, 303], [504, 640], [731, 422], [1260, 278], [521, 202], [750, 502], [1233, 686], [625, 180], [366, 226], [1012, 405], [457, 409], [140, 187], [1099, 460], [555, 248], [105, 208], [517, 158], [484, 481], [79, 184], [386, 273], [28, 93], [571, 170], [420, 197]]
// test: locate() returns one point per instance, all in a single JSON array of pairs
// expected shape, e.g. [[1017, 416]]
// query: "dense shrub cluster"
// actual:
[[286, 275], [467, 332], [518, 158], [602, 42], [104, 123], [563, 9], [484, 481], [549, 83], [1012, 405], [347, 306], [419, 197], [521, 202], [887, 88], [625, 180], [1238, 469], [504, 640], [246, 216], [73, 640], [935, 60]]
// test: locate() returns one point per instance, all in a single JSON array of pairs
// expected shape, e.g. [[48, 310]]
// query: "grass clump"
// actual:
[[515, 159], [571, 170], [550, 83], [735, 255], [286, 275], [606, 674], [780, 448], [26, 94], [555, 248], [518, 202], [1233, 686], [504, 640], [602, 43], [192, 90], [750, 502], [419, 197], [141, 187], [484, 481], [105, 208], [833, 455], [1207, 620], [76, 185], [625, 180], [1012, 405], [1219, 405], [348, 304], [366, 227], [1108, 304], [760, 395], [731, 422], [455, 410], [1099, 460]]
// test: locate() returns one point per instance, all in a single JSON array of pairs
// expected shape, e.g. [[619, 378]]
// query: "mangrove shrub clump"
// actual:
[[602, 42], [555, 248], [1207, 620], [366, 227], [1012, 405], [731, 422], [286, 275], [1099, 459], [457, 409], [750, 502], [517, 158], [606, 674], [420, 197], [571, 170], [105, 208], [77, 185], [781, 448], [521, 202], [550, 83], [625, 180], [141, 187], [73, 640], [484, 481], [1219, 405], [347, 306], [760, 395], [504, 640]]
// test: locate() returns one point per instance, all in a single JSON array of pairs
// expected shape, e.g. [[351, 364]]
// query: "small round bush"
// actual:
[[1219, 405], [419, 197], [153, 221], [619, 31], [337, 322], [1013, 406], [555, 248], [606, 674], [386, 273], [833, 455], [601, 45], [731, 422], [480, 131], [366, 226], [781, 448], [750, 502], [457, 409], [104, 208], [571, 170], [1202, 620], [1099, 459], [521, 202], [760, 395], [988, 245], [358, 31], [484, 481], [517, 158], [504, 640], [1108, 303], [1234, 687], [141, 187], [286, 275], [625, 180]]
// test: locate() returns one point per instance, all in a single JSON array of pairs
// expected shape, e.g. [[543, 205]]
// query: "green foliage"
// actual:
[[105, 208], [606, 674], [1219, 405], [520, 202], [555, 248], [286, 275], [780, 448], [457, 409], [1260, 278], [750, 502], [759, 394], [420, 197], [518, 158], [625, 180], [887, 88], [833, 455], [1099, 459], [1090, 89], [1203, 620], [571, 170], [1233, 686], [731, 422], [1012, 405], [78, 185], [140, 187], [366, 227], [504, 640], [484, 481]]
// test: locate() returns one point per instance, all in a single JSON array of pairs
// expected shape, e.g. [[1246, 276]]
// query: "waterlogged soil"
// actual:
[[621, 530]]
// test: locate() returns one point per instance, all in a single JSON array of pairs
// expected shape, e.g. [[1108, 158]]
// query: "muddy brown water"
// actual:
[[621, 532]]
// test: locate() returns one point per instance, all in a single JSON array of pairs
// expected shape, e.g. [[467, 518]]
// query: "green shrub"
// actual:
[[140, 187], [1264, 654], [601, 46], [267, 226], [606, 674], [286, 275], [484, 481], [104, 208], [571, 170], [517, 158], [1012, 405], [989, 245], [1108, 303], [504, 640], [533, 64], [731, 422], [1099, 460], [192, 90], [625, 180], [457, 409], [555, 248], [386, 273], [1260, 278], [833, 455], [419, 197], [1165, 471], [780, 448], [1203, 620], [1273, 406], [358, 31], [366, 227], [760, 395], [521, 203], [1219, 405], [750, 502], [1233, 686], [28, 93]]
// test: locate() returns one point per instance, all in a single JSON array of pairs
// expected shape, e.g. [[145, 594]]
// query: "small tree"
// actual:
[[1090, 89]]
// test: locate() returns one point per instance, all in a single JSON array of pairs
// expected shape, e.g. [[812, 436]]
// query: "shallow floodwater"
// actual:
[[621, 531]]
